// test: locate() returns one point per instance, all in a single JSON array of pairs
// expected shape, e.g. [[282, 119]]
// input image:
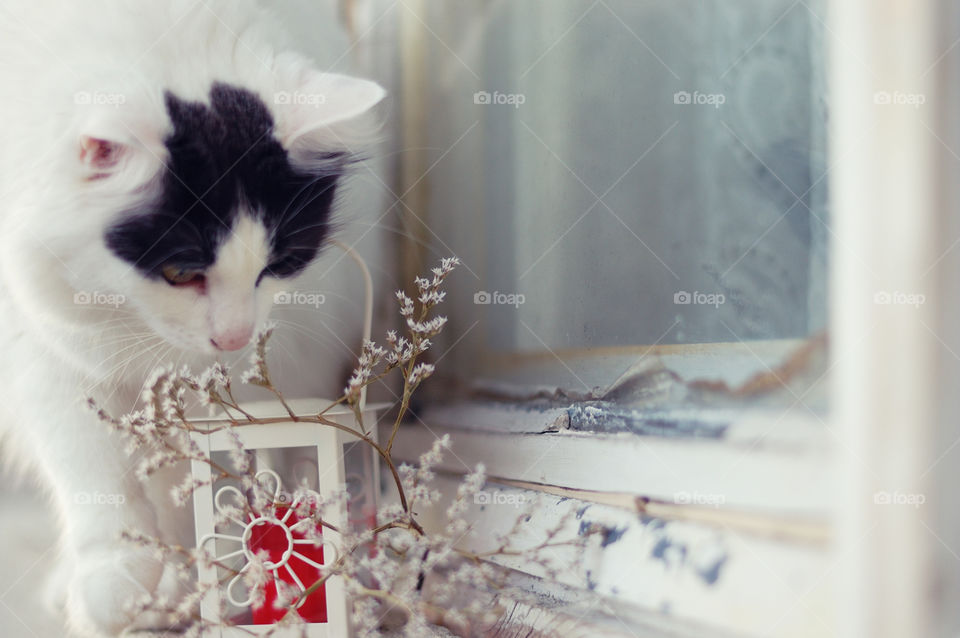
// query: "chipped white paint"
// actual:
[[735, 583], [789, 451]]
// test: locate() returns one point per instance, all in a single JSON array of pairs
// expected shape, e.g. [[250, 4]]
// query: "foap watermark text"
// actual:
[[699, 498], [716, 100], [99, 98], [510, 99], [899, 98], [99, 498], [97, 298], [299, 298], [499, 498], [496, 298], [697, 298], [898, 298], [899, 498], [299, 98]]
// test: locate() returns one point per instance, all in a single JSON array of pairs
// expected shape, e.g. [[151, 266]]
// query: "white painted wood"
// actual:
[[762, 493], [761, 428], [330, 465], [753, 468], [802, 530], [733, 582], [497, 417], [203, 524], [553, 610], [886, 212]]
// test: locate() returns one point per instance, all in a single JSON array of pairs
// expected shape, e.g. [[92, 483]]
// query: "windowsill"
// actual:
[[712, 473], [738, 570], [665, 462]]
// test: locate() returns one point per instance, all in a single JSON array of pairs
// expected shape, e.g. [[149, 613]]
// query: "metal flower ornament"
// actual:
[[269, 539]]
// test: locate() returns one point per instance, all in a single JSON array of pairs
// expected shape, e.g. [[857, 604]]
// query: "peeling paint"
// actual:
[[612, 535], [653, 524], [712, 574], [591, 583], [584, 528], [608, 417], [706, 560], [671, 553]]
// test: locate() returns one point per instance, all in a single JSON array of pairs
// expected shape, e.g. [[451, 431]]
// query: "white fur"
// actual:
[[52, 217], [234, 305]]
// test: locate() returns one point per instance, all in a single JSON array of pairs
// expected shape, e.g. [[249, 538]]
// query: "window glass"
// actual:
[[619, 173]]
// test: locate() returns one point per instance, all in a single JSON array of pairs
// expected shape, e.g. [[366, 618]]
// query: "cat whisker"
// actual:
[[123, 367], [110, 375], [323, 339], [310, 184], [115, 342]]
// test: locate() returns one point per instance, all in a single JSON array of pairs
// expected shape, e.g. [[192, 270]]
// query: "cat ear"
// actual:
[[328, 113], [125, 139], [129, 157], [101, 157]]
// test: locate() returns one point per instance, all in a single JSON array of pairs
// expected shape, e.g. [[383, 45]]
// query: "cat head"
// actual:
[[195, 224]]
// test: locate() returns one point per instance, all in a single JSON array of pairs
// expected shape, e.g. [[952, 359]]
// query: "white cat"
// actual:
[[166, 168]]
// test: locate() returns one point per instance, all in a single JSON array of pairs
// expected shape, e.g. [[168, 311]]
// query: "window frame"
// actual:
[[887, 368]]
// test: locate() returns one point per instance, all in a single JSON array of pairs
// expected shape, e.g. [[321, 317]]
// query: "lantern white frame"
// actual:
[[329, 443]]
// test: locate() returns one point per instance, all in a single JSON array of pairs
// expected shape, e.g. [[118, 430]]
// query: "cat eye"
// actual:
[[177, 276]]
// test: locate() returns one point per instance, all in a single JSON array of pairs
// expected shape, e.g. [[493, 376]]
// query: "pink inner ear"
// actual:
[[100, 154]]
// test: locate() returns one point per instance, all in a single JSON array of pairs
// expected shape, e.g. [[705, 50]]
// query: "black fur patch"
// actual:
[[224, 158]]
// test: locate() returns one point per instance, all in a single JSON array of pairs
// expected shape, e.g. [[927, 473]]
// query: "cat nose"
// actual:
[[233, 338]]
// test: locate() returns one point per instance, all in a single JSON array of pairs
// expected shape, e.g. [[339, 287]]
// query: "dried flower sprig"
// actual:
[[384, 567]]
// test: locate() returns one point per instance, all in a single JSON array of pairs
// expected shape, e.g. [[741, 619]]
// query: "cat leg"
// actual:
[[55, 588], [175, 527], [99, 497]]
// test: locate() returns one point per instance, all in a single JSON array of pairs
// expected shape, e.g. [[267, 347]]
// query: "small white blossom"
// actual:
[[286, 595], [406, 304], [182, 493], [257, 576], [426, 328], [258, 374], [468, 488], [432, 297], [420, 372], [239, 456]]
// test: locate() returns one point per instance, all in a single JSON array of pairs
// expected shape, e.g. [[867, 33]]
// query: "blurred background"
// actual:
[[726, 228]]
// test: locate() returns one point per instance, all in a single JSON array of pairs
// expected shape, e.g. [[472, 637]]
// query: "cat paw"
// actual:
[[106, 587]]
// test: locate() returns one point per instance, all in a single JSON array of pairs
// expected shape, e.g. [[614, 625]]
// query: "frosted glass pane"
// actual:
[[603, 159]]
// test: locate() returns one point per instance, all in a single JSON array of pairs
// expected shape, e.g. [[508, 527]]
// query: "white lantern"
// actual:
[[335, 456]]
